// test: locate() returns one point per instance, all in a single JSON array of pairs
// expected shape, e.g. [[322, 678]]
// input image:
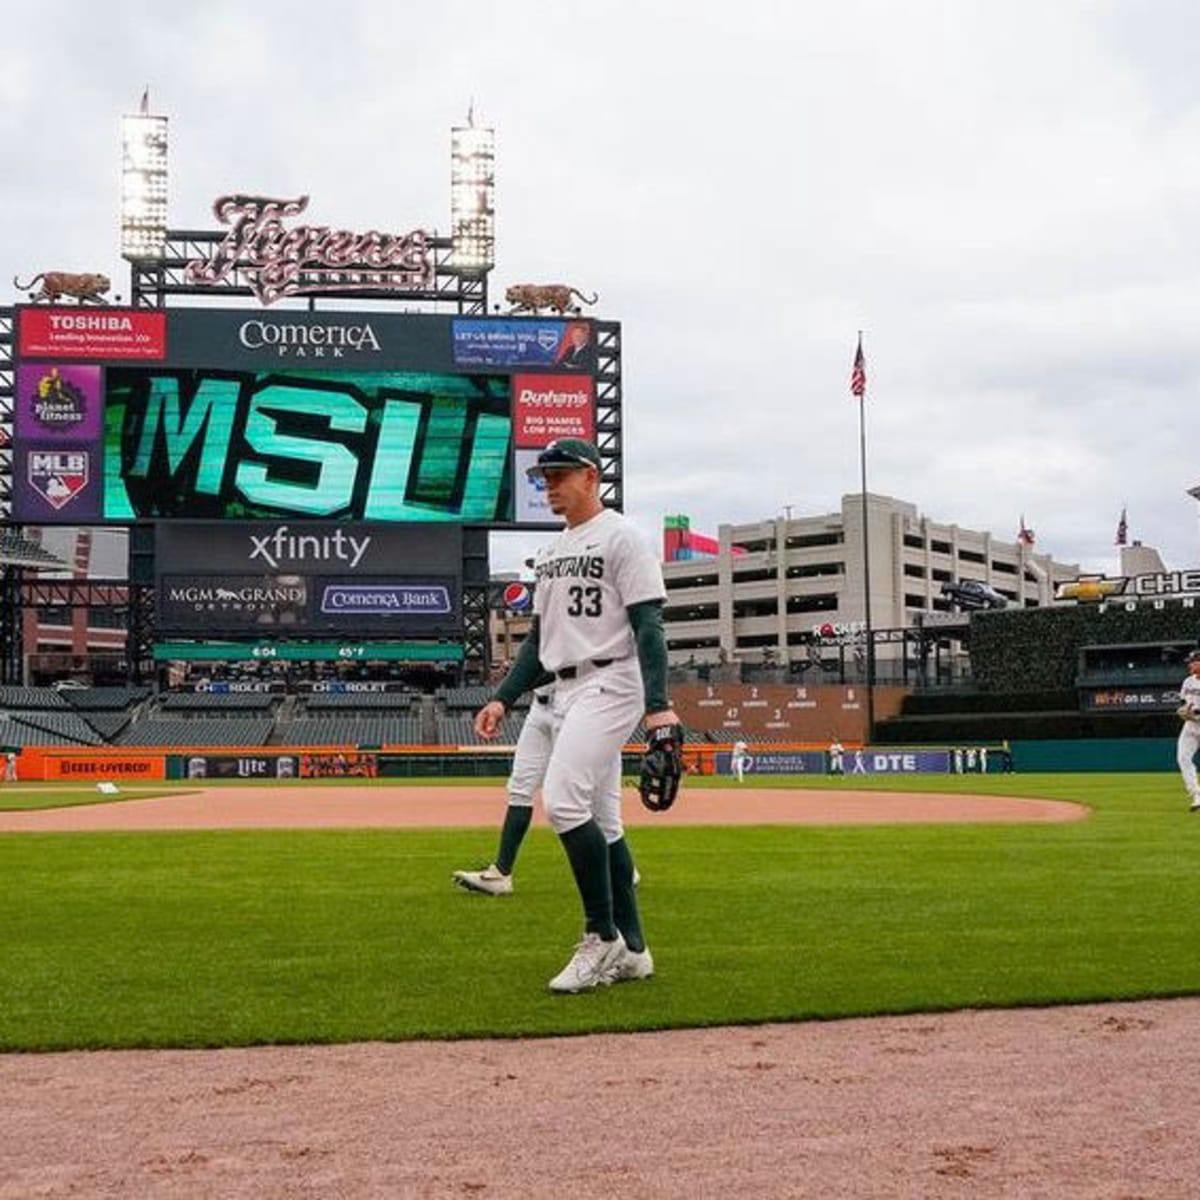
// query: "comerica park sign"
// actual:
[[279, 261]]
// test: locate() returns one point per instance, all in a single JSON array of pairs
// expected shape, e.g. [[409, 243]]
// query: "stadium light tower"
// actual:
[[472, 196], [143, 183]]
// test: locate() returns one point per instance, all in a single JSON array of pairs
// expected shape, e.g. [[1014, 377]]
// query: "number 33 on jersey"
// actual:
[[586, 578]]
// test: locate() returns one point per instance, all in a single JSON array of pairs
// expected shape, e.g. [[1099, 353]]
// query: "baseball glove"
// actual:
[[662, 767]]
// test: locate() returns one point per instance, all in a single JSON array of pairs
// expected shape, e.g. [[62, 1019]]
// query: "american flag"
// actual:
[[1026, 534], [858, 376], [1122, 530]]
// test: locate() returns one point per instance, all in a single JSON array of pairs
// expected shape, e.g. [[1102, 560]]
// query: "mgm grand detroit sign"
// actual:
[[1130, 592]]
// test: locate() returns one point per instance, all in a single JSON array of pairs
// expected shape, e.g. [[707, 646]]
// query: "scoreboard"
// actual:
[[209, 414]]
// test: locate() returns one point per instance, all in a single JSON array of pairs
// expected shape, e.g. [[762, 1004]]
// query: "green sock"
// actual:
[[624, 894], [587, 852], [516, 824]]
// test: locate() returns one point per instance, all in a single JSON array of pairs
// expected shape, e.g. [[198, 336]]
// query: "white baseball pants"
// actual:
[[596, 712], [1185, 753], [532, 755]]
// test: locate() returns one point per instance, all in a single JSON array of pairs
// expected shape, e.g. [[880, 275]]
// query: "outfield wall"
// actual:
[[200, 763], [1095, 754]]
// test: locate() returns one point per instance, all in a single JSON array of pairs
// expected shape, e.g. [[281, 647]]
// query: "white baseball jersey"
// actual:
[[586, 578], [1189, 694]]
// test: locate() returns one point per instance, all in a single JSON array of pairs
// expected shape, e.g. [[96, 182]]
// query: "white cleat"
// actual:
[[591, 965], [633, 964], [1195, 804], [489, 880]]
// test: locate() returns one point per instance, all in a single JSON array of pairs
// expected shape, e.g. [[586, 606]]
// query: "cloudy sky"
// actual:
[[1002, 196]]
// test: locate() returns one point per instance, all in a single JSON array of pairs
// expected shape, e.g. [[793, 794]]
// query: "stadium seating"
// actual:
[[47, 728], [211, 702], [99, 699], [471, 698], [403, 729], [458, 729], [14, 696], [198, 731], [391, 701]]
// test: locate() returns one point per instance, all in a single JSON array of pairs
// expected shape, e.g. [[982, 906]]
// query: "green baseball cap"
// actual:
[[566, 453]]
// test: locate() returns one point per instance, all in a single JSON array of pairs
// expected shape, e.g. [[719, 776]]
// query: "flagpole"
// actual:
[[866, 540]]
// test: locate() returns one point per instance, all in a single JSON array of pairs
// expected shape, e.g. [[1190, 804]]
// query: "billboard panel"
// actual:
[[256, 578], [236, 415], [72, 333]]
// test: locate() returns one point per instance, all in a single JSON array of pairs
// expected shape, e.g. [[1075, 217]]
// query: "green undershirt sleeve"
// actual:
[[646, 619], [526, 671]]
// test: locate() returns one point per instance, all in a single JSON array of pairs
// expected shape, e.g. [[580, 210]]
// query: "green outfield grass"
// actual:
[[209, 939]]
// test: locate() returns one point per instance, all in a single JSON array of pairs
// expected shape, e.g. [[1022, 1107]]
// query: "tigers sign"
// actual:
[[278, 261]]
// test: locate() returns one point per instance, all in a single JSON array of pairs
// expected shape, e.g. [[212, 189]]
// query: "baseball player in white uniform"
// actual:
[[837, 765], [530, 760], [1189, 735], [598, 628], [739, 759]]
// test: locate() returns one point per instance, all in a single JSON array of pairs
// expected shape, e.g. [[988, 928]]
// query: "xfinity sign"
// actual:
[[371, 551], [282, 548]]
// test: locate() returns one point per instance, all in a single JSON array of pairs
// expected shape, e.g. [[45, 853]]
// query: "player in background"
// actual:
[[837, 763], [739, 759], [530, 760], [598, 627], [1189, 736]]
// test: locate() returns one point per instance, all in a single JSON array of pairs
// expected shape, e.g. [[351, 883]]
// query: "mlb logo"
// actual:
[[58, 476]]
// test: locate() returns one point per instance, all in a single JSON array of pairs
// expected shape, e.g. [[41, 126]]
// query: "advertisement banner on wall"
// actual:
[[797, 762], [529, 495], [338, 765], [64, 401], [232, 766], [546, 407], [855, 762], [56, 482], [1144, 699], [565, 345], [99, 766], [77, 333]]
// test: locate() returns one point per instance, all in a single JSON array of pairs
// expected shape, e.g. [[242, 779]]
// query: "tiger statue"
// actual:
[[533, 297], [86, 288]]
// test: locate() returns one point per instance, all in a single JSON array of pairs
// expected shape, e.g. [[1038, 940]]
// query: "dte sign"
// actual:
[[893, 764]]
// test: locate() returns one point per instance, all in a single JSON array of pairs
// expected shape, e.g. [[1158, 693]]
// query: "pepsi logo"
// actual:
[[517, 596]]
